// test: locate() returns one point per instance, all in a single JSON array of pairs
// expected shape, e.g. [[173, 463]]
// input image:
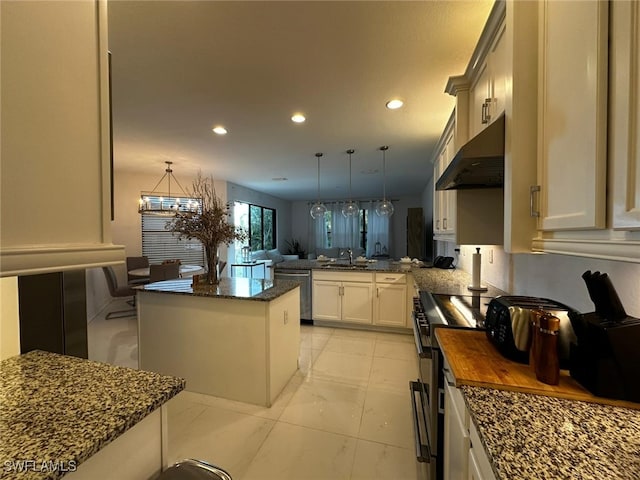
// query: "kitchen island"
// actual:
[[238, 340], [66, 416]]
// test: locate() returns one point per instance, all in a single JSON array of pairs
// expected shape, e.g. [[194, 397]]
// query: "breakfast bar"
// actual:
[[237, 340]]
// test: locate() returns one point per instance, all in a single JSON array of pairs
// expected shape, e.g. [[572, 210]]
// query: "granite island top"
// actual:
[[57, 410], [433, 280], [229, 287], [535, 437]]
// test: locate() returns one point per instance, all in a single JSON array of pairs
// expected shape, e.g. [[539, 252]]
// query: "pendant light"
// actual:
[[350, 208], [318, 209], [155, 203], [384, 208]]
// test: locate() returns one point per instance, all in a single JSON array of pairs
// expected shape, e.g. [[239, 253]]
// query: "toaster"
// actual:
[[507, 326]]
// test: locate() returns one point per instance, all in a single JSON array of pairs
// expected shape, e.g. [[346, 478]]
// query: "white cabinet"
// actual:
[[444, 201], [343, 296], [624, 111], [390, 305], [456, 434], [477, 460], [488, 89], [572, 114]]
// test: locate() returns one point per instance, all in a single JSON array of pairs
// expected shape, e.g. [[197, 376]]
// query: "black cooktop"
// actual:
[[466, 311]]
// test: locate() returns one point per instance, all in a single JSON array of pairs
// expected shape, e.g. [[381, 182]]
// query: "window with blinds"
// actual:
[[159, 244]]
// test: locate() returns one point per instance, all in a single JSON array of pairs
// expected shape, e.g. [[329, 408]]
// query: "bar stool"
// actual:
[[191, 469]]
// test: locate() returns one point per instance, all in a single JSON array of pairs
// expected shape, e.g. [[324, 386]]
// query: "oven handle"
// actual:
[[422, 451], [423, 352]]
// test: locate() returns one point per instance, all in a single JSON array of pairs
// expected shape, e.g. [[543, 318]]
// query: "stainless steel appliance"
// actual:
[[427, 392], [304, 278]]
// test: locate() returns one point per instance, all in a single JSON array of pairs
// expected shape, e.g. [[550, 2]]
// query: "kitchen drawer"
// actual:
[[400, 278]]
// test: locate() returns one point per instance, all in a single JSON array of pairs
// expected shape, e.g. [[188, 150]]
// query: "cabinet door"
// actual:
[[572, 114], [327, 300], [449, 196], [357, 302], [499, 65], [456, 437], [391, 303], [478, 95], [624, 150]]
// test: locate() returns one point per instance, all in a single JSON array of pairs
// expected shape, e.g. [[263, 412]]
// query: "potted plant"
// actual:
[[209, 223], [294, 248]]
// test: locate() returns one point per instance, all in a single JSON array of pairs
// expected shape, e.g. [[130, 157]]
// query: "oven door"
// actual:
[[421, 404]]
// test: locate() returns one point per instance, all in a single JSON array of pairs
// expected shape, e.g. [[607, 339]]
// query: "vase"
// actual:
[[211, 253]]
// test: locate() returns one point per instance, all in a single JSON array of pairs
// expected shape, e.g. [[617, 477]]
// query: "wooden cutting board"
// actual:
[[475, 361]]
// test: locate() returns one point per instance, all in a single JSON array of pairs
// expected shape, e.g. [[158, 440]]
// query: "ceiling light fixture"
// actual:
[[318, 209], [350, 208], [220, 130], [155, 203], [298, 118], [394, 104], [384, 208]]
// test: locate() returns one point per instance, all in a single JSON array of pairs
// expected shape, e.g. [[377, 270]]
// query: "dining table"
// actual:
[[185, 271]]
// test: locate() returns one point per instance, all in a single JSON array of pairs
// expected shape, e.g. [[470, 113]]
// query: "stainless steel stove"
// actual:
[[431, 311]]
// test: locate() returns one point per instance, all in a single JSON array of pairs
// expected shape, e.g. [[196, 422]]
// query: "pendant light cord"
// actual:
[[350, 152], [384, 149], [318, 155]]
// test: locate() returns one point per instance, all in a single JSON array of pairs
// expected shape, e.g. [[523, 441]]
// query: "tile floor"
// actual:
[[345, 414]]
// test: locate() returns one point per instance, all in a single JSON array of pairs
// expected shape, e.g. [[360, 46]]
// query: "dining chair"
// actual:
[[134, 263], [118, 292], [166, 271]]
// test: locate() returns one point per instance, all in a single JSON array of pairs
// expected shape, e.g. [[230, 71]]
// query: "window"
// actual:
[[362, 226], [259, 222], [159, 244]]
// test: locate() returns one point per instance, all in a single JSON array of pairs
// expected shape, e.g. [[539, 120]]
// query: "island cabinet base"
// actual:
[[239, 349]]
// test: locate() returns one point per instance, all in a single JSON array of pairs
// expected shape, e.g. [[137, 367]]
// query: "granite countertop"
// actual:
[[449, 282], [60, 410], [535, 437], [343, 265], [229, 287]]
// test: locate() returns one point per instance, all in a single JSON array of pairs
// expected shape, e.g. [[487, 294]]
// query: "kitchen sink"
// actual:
[[345, 266]]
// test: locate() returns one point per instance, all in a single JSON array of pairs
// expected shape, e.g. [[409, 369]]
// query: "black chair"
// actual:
[[166, 271], [134, 263], [119, 292]]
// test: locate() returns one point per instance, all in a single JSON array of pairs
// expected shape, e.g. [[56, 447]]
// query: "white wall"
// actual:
[[9, 312], [427, 212]]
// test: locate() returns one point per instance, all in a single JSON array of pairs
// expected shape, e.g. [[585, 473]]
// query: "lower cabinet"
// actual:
[[361, 298], [343, 297], [479, 466], [390, 300], [456, 434]]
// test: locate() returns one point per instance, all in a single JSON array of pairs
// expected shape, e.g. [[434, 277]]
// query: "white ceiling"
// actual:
[[181, 67]]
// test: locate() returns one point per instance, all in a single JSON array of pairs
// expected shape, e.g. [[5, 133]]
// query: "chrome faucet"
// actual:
[[350, 252]]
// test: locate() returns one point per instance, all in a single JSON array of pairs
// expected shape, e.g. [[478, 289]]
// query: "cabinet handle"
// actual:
[[444, 223], [487, 110], [437, 224], [532, 191], [377, 292], [483, 114]]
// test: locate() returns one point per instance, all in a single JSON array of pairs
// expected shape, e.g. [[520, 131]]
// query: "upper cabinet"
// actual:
[[55, 182], [624, 116], [444, 202], [488, 91], [572, 114]]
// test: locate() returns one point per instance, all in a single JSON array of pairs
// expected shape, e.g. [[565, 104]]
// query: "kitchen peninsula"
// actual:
[[66, 416], [237, 340]]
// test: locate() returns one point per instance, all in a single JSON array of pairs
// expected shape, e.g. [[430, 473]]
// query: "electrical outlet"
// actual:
[[491, 255]]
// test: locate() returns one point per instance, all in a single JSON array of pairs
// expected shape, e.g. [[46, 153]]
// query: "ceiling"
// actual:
[[179, 68]]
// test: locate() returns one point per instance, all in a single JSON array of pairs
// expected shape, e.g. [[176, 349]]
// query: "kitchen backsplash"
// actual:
[[549, 275]]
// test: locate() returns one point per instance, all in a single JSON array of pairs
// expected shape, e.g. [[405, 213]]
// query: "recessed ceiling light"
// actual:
[[298, 118], [394, 104], [220, 130], [279, 179]]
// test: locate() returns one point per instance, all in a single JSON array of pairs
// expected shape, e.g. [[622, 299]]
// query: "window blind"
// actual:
[[159, 244]]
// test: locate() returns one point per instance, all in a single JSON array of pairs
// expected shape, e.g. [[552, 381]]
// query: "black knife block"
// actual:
[[606, 359]]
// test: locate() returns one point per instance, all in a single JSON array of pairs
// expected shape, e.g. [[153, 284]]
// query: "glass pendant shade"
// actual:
[[384, 208], [350, 208], [318, 209]]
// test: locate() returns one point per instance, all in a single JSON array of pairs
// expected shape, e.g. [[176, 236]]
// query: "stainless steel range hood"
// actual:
[[479, 163]]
